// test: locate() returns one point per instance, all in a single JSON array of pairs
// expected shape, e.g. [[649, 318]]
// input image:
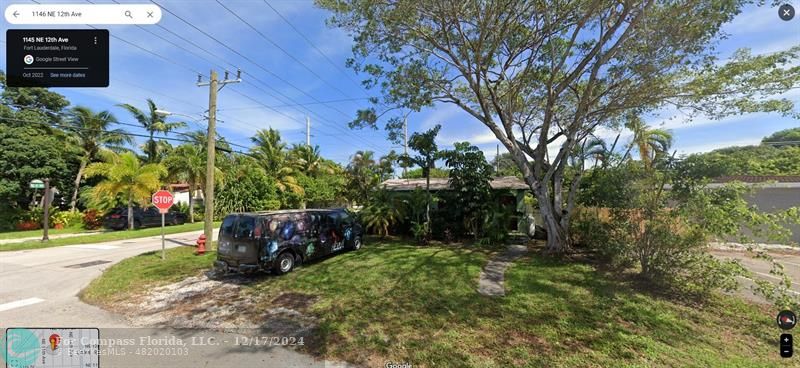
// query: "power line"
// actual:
[[267, 71], [282, 49], [311, 43], [298, 104]]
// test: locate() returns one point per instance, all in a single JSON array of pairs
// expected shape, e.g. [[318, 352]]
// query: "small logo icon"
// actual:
[[786, 320], [28, 59], [786, 12], [20, 347]]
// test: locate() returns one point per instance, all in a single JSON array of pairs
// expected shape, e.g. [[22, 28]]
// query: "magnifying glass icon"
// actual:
[[128, 14]]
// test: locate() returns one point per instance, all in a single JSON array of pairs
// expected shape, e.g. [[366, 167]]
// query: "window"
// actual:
[[245, 227], [227, 225]]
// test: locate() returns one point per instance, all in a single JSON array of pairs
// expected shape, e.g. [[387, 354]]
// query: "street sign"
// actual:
[[37, 184], [163, 201]]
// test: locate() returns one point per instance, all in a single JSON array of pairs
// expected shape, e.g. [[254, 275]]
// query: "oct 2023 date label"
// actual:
[[57, 57]]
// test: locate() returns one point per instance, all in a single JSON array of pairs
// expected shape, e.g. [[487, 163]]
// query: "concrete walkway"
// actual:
[[56, 236], [491, 280]]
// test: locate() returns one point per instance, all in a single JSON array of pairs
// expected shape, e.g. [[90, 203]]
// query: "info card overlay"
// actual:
[[57, 57]]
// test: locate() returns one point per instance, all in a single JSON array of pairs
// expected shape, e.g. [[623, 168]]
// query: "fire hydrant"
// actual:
[[201, 244]]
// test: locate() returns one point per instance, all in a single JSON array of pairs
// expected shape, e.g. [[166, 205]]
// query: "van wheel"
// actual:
[[356, 243], [137, 224], [284, 263]]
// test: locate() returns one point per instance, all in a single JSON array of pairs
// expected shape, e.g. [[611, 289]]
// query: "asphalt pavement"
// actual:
[[39, 288], [760, 269]]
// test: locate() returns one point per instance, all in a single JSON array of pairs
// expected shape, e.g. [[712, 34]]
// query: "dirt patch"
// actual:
[[201, 302]]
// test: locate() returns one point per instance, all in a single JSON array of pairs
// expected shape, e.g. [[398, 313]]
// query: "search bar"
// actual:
[[83, 14]]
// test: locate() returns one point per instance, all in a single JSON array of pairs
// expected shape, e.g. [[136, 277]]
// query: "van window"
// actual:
[[245, 227], [227, 225]]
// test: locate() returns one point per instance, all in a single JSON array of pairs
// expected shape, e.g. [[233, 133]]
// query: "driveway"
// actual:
[[39, 288]]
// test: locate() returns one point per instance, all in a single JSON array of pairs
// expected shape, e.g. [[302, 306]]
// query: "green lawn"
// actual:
[[396, 302], [38, 233], [106, 236]]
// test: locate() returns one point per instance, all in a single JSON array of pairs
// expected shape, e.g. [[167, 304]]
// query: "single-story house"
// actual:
[[513, 198], [181, 193]]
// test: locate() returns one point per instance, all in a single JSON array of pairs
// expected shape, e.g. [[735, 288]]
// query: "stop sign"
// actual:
[[163, 200]]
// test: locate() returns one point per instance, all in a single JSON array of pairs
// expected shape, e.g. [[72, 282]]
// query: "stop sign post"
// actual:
[[163, 201]]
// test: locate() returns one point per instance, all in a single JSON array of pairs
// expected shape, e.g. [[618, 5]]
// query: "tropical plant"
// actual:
[[247, 189], [309, 161], [470, 176], [91, 133], [187, 163], [382, 213], [427, 154], [270, 153], [365, 174], [153, 123], [652, 143], [124, 176]]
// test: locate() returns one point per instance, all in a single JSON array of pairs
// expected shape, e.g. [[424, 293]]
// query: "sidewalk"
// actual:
[[20, 240]]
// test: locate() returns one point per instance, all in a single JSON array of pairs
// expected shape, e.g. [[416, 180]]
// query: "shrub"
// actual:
[[92, 219]]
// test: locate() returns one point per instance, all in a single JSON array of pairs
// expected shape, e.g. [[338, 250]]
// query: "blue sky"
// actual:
[[137, 75]]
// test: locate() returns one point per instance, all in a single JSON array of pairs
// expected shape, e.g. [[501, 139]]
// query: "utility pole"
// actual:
[[211, 147], [405, 141], [308, 131], [497, 162], [46, 218]]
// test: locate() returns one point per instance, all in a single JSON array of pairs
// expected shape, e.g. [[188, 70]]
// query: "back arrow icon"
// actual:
[[15, 13]]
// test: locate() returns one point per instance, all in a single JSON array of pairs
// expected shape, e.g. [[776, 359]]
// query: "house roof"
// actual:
[[758, 179], [503, 182], [761, 181]]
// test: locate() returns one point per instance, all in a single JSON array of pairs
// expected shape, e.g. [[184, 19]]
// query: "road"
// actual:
[[39, 288], [760, 268]]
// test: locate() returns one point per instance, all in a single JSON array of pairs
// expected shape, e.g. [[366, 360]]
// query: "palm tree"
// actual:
[[363, 176], [199, 139], [651, 142], [188, 163], [153, 123], [271, 154], [91, 133], [125, 176], [309, 161]]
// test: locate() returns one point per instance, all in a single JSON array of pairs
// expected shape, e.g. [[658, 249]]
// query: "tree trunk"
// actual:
[[556, 231], [74, 202], [191, 201], [130, 213], [428, 203]]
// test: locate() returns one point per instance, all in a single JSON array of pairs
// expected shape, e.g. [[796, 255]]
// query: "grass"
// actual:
[[7, 235], [396, 302], [133, 274], [103, 237]]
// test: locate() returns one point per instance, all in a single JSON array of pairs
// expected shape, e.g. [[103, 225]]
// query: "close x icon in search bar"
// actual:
[[83, 14]]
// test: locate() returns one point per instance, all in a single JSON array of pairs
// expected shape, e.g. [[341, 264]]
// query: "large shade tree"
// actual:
[[542, 76], [92, 131]]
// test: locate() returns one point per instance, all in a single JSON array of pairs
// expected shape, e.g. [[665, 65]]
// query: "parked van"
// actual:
[[279, 240]]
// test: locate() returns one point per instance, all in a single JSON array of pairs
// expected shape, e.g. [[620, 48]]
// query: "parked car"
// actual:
[[280, 240], [117, 219]]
